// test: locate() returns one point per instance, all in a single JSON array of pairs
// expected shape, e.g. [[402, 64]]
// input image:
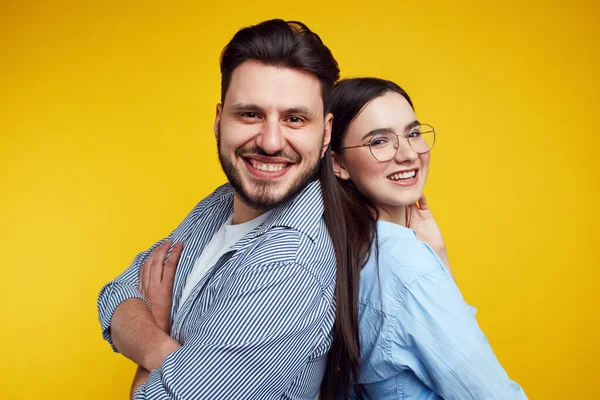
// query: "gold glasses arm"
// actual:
[[354, 147]]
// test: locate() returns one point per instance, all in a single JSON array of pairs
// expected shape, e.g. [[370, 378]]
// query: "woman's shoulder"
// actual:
[[402, 255], [401, 260]]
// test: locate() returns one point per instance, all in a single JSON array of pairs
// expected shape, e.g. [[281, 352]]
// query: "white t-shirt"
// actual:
[[220, 243]]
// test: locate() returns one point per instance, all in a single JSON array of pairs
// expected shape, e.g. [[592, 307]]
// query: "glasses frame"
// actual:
[[397, 144]]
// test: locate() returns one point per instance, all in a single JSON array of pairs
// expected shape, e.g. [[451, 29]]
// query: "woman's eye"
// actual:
[[414, 134], [378, 142]]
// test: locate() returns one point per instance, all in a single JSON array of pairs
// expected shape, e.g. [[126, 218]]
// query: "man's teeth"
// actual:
[[403, 175], [267, 167]]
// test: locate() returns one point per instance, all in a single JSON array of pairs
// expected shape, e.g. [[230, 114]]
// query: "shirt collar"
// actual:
[[303, 212], [390, 229]]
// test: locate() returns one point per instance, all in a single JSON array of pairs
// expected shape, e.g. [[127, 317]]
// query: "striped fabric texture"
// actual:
[[259, 324]]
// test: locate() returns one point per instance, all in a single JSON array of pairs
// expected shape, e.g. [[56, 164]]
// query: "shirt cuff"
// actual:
[[139, 392], [153, 384], [109, 299]]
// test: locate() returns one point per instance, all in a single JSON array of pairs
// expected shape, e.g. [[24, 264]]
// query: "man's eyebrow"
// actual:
[[238, 107], [245, 107], [374, 132], [299, 110]]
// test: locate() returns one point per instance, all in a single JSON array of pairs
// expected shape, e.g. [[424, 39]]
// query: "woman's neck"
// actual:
[[397, 215]]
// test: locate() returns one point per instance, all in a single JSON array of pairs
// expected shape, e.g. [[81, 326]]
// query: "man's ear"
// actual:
[[216, 128], [338, 166], [327, 133]]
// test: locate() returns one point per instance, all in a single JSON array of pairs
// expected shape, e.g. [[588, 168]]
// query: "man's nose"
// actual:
[[270, 137]]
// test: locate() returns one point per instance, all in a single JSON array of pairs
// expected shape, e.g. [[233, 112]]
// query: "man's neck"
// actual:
[[243, 212]]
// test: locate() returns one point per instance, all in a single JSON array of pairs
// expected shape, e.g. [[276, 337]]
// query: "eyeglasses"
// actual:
[[384, 145]]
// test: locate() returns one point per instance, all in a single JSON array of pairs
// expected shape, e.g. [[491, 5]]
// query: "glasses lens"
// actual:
[[383, 146], [422, 138]]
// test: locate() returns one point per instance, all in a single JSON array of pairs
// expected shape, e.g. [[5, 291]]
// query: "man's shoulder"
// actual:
[[222, 194], [222, 197], [207, 214], [313, 254]]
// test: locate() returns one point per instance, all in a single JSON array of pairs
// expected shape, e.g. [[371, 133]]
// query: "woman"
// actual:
[[418, 337]]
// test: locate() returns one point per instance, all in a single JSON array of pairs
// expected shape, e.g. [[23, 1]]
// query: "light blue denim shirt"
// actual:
[[422, 340]]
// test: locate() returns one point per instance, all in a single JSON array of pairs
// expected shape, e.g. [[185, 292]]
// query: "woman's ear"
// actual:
[[338, 166]]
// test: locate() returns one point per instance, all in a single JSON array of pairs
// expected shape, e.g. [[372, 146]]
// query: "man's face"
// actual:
[[271, 132]]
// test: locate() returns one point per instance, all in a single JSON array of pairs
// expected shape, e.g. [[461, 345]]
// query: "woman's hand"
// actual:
[[420, 219]]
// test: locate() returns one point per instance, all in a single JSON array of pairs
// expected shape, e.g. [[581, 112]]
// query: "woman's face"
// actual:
[[390, 185]]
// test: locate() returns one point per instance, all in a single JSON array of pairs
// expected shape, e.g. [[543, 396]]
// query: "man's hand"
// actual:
[[142, 334], [422, 222], [156, 282]]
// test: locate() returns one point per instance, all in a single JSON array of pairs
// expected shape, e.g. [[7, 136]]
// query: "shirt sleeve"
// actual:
[[251, 343], [124, 287], [438, 337]]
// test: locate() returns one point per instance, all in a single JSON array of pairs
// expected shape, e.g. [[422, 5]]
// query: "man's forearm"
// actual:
[[141, 376], [137, 336]]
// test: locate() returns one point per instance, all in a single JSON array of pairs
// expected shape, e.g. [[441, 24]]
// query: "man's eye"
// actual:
[[249, 114], [414, 134], [295, 120]]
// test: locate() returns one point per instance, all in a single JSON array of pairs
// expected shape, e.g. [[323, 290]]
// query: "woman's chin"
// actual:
[[410, 199]]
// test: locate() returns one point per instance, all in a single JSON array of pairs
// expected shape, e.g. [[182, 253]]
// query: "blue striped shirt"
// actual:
[[259, 324]]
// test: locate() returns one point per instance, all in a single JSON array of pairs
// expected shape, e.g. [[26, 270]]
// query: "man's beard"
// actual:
[[263, 197]]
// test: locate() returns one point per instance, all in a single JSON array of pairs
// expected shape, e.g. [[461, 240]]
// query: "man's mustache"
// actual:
[[255, 150]]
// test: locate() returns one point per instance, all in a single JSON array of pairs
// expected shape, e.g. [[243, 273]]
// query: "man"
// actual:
[[251, 268]]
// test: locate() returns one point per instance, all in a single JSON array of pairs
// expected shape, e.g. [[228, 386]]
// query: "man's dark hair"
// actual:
[[292, 45], [285, 44]]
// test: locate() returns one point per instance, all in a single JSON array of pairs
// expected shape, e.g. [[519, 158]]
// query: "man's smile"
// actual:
[[267, 167]]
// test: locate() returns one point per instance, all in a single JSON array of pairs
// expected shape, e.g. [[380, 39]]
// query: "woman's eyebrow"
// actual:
[[378, 131], [411, 125], [408, 127]]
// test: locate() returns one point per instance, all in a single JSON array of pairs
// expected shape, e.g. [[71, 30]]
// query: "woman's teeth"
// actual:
[[402, 175]]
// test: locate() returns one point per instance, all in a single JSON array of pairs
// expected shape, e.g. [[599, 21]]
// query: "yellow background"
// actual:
[[106, 142]]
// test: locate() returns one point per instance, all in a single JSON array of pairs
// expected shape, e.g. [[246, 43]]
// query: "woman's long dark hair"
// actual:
[[351, 220]]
